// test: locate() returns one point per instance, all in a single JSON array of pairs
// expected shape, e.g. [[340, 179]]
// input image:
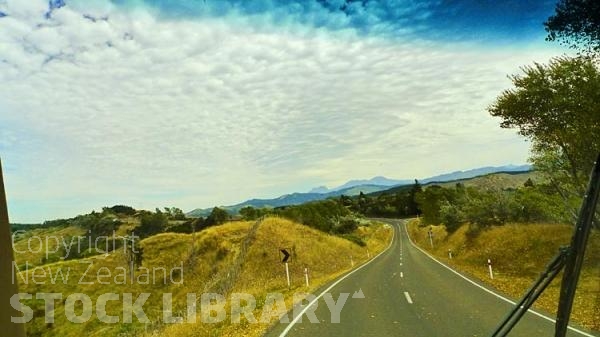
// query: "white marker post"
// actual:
[[450, 254], [306, 275], [351, 261], [287, 273], [490, 268], [430, 238]]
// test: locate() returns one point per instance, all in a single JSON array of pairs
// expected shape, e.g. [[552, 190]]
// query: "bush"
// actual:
[[344, 225], [355, 239], [217, 216], [317, 214], [186, 227], [121, 209], [451, 216], [152, 223]]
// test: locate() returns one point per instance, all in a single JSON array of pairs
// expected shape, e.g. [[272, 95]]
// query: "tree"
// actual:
[[175, 213], [217, 216], [491, 207], [576, 23], [362, 203], [451, 216], [121, 209], [249, 213], [412, 207], [529, 183], [538, 204], [344, 225], [430, 200], [556, 106], [152, 223], [323, 215]]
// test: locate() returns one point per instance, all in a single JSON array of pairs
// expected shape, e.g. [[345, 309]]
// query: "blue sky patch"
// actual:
[[511, 20]]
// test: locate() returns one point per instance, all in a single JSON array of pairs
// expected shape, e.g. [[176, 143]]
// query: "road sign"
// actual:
[[286, 255]]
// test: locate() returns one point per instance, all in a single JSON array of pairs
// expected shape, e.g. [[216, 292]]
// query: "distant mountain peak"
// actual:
[[354, 187], [320, 189], [377, 180]]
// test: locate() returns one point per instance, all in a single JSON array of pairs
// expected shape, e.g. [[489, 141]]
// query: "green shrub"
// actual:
[[353, 238]]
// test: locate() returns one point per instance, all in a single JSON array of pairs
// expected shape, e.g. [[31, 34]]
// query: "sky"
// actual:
[[196, 103]]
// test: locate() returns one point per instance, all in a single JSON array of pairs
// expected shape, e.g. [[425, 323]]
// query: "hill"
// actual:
[[457, 175], [519, 253], [289, 200], [355, 187], [460, 175], [234, 257]]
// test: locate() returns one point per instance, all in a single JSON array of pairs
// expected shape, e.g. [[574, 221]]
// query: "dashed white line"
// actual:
[[408, 299], [299, 317], [401, 274]]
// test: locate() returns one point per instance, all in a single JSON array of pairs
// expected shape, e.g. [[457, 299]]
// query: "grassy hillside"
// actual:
[[234, 257], [501, 180], [519, 253], [507, 179]]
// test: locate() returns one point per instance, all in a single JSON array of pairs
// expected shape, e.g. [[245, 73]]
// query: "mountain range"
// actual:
[[354, 187]]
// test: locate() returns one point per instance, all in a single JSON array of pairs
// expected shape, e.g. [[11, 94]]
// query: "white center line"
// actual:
[[290, 326], [408, 299], [401, 274]]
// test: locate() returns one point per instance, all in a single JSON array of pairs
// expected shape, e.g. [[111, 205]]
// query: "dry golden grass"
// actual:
[[519, 253], [32, 245], [262, 272], [218, 262]]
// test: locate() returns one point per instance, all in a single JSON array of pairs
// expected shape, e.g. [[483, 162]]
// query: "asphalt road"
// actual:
[[406, 293]]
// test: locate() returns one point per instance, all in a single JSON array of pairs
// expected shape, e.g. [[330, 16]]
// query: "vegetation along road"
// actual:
[[407, 293]]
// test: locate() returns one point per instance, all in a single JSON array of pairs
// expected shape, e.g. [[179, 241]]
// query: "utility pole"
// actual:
[[8, 288]]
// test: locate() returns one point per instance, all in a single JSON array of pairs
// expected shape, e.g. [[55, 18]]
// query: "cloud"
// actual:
[[135, 108]]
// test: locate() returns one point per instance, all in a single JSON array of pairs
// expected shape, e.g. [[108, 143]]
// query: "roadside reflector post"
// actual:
[[306, 275], [490, 269], [450, 254], [351, 261], [287, 273], [430, 234], [8, 288]]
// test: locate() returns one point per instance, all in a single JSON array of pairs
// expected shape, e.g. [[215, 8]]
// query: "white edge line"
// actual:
[[297, 318], [408, 299], [486, 289]]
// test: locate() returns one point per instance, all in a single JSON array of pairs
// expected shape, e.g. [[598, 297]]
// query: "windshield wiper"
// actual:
[[570, 258]]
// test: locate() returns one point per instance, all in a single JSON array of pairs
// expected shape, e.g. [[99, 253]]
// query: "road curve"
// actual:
[[407, 293]]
